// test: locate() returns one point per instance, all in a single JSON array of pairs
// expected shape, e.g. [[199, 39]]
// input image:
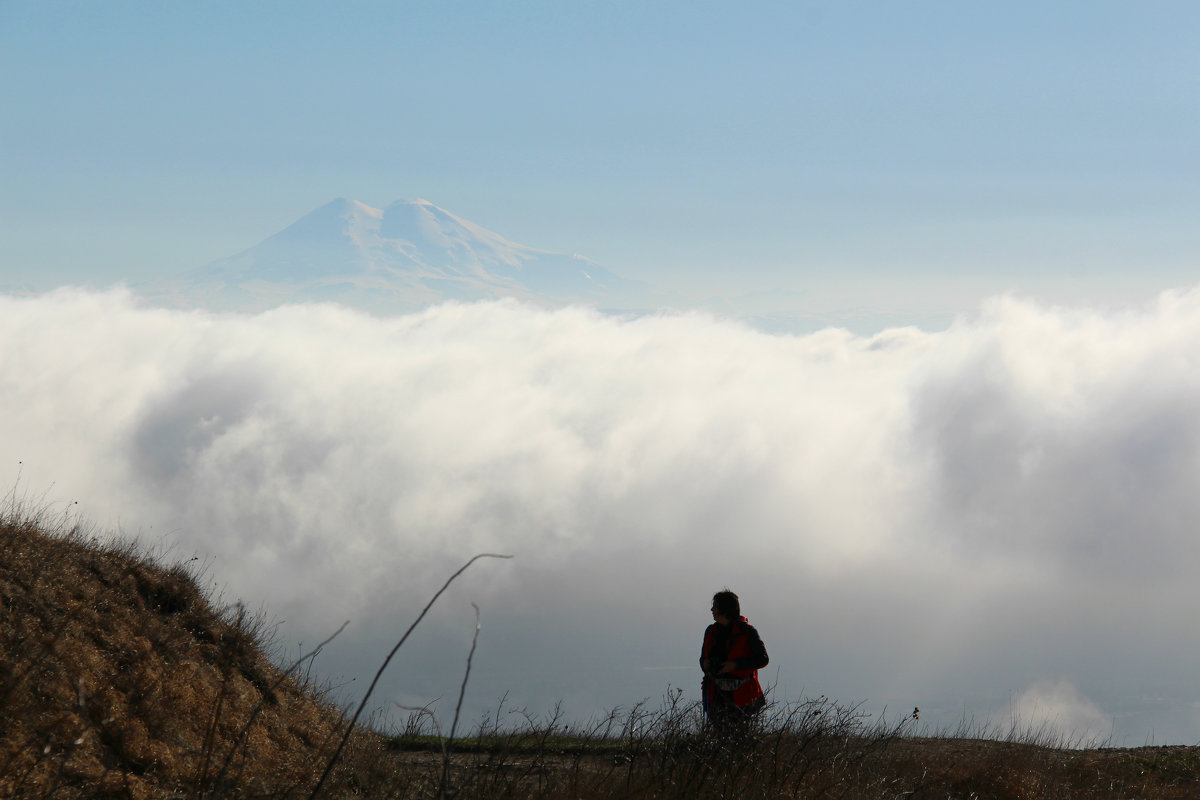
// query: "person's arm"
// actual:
[[758, 657]]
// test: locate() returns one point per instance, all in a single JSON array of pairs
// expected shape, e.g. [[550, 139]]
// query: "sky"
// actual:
[[972, 492], [912, 158]]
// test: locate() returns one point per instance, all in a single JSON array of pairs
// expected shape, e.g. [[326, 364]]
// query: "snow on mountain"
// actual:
[[406, 256]]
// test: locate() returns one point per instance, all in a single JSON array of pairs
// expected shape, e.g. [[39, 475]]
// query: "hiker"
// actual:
[[731, 657]]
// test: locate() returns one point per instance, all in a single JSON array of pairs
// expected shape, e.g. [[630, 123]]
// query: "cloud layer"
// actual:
[[935, 519]]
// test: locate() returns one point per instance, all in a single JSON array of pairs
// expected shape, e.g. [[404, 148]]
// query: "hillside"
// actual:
[[119, 678]]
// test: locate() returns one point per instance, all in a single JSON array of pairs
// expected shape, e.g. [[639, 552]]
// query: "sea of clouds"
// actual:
[[996, 521]]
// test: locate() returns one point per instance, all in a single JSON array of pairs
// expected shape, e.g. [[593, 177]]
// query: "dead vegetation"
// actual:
[[120, 677], [814, 749]]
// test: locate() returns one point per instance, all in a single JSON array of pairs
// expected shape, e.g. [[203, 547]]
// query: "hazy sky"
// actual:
[[911, 155], [993, 511]]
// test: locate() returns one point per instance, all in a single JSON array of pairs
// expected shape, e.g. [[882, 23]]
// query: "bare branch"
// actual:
[[386, 661], [458, 708]]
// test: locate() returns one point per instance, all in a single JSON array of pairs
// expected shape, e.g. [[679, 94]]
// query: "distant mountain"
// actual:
[[406, 256]]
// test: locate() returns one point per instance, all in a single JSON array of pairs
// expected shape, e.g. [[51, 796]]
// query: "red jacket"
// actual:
[[741, 644]]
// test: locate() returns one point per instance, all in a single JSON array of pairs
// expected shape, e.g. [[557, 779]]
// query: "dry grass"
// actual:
[[816, 749], [120, 677]]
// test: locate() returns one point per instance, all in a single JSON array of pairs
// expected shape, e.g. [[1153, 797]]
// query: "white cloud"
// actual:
[[1057, 711], [910, 517]]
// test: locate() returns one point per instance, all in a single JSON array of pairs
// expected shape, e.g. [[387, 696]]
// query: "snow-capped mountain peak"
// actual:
[[406, 255]]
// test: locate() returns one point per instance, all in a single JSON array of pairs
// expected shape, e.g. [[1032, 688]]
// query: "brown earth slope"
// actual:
[[118, 678]]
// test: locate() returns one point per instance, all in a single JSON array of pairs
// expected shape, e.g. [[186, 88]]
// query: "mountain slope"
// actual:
[[406, 256], [118, 678]]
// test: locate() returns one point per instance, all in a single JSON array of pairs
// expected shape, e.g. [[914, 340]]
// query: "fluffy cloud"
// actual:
[[1057, 711], [930, 519]]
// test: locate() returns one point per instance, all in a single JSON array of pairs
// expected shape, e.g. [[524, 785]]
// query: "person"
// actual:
[[731, 656]]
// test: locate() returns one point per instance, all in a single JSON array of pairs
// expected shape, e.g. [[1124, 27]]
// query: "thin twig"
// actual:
[[237, 742], [386, 661], [458, 708]]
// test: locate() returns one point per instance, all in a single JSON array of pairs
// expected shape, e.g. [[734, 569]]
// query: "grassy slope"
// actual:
[[118, 678]]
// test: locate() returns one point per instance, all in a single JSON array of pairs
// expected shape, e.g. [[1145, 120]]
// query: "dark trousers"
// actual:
[[729, 720]]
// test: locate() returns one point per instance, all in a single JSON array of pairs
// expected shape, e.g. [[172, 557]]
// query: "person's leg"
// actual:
[[729, 723]]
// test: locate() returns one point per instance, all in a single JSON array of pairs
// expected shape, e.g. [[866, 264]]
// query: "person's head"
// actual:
[[726, 607]]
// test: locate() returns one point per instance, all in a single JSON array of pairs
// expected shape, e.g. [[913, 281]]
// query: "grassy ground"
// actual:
[[121, 678], [810, 750]]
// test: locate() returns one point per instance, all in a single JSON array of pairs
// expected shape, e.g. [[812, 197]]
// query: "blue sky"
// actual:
[[1045, 148]]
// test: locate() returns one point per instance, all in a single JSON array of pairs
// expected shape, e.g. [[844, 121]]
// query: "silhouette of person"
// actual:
[[731, 657]]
